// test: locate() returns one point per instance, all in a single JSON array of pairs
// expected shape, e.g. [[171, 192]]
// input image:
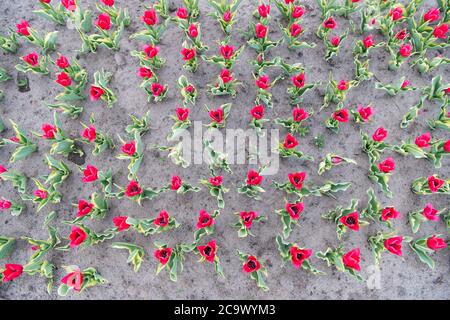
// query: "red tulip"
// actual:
[[77, 236], [295, 29], [299, 80], [176, 183], [294, 209], [145, 73], [446, 146], [365, 113], [209, 251], [62, 62], [204, 220], [257, 112], [352, 259], [290, 142], [430, 212], [394, 245], [188, 54], [182, 13], [90, 174], [96, 92], [157, 89], [216, 181], [49, 131], [12, 271], [389, 213], [121, 223], [150, 18], [254, 178], [162, 219], [297, 179], [63, 79], [227, 16], [440, 31], [396, 13], [387, 165], [435, 243], [129, 148], [341, 115], [133, 189], [299, 114], [380, 134], [69, 4], [263, 82], [260, 30], [5, 204], [299, 255], [108, 3], [423, 140], [182, 113], [32, 59], [264, 10], [342, 85], [151, 51], [351, 221], [22, 28], [104, 21], [84, 208], [251, 265], [431, 15], [335, 41], [163, 255], [330, 23], [435, 183], [401, 34], [226, 76], [193, 31], [405, 50], [216, 115], [41, 194], [368, 41], [73, 280], [227, 51], [297, 12]]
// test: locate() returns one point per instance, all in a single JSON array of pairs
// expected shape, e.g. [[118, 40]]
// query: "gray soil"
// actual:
[[401, 278]]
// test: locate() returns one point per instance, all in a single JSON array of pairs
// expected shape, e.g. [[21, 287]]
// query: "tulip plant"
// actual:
[[100, 90], [79, 280], [91, 135], [134, 152], [205, 224], [290, 216], [299, 257], [25, 146], [188, 91], [255, 268], [381, 242], [344, 262], [224, 13], [331, 160], [153, 30], [170, 259], [216, 189], [295, 124], [345, 218], [34, 63], [431, 184], [135, 253], [376, 213], [162, 223], [251, 188], [428, 213], [426, 246], [46, 43]]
